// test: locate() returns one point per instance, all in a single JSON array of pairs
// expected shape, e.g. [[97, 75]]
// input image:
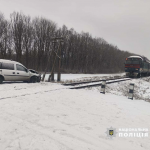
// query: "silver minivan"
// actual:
[[15, 71]]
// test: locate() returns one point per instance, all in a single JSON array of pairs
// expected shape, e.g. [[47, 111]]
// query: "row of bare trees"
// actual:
[[29, 41]]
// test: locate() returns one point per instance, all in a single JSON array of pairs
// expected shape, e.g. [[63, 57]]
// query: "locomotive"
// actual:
[[137, 66]]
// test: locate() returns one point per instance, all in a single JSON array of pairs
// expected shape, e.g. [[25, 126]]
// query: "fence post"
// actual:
[[103, 85], [131, 90]]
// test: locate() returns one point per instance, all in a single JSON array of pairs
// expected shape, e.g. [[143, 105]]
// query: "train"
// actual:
[[137, 66]]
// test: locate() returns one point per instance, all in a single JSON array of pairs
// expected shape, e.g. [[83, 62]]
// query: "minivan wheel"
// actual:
[[33, 80], [1, 80]]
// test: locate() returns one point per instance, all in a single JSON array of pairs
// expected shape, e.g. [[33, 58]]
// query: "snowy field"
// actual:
[[49, 116]]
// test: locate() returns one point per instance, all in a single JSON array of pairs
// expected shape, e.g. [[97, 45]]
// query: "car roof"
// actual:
[[10, 61]]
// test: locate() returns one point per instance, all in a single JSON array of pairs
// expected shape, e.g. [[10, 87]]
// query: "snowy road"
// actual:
[[50, 116]]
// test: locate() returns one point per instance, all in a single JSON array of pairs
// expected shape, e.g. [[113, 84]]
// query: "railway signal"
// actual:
[[103, 85], [131, 90]]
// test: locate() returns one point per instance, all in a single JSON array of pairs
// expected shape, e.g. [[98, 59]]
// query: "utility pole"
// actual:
[[52, 72], [54, 41], [51, 76], [59, 64]]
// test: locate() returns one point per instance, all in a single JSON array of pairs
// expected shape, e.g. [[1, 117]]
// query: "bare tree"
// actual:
[[44, 30], [30, 42], [27, 38], [17, 28]]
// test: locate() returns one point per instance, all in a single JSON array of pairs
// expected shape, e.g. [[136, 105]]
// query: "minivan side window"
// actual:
[[8, 66], [21, 68], [0, 65]]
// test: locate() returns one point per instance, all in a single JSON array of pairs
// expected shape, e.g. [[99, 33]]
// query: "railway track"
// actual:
[[84, 82], [87, 84]]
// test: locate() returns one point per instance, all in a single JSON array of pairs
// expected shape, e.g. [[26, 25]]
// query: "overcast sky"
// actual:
[[125, 23]]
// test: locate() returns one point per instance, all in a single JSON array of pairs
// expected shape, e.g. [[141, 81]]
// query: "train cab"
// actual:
[[133, 65], [137, 66]]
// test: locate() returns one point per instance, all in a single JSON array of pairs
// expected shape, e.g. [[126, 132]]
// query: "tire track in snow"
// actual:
[[33, 128], [15, 96], [58, 137]]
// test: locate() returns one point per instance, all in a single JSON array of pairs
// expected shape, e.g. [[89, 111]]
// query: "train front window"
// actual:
[[133, 61], [128, 62]]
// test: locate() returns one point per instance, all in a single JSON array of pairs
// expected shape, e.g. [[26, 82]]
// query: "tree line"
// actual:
[[29, 41]]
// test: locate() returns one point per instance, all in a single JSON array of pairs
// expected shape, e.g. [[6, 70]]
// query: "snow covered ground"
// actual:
[[49, 116]]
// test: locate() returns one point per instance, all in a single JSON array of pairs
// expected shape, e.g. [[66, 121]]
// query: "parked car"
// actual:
[[15, 71]]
